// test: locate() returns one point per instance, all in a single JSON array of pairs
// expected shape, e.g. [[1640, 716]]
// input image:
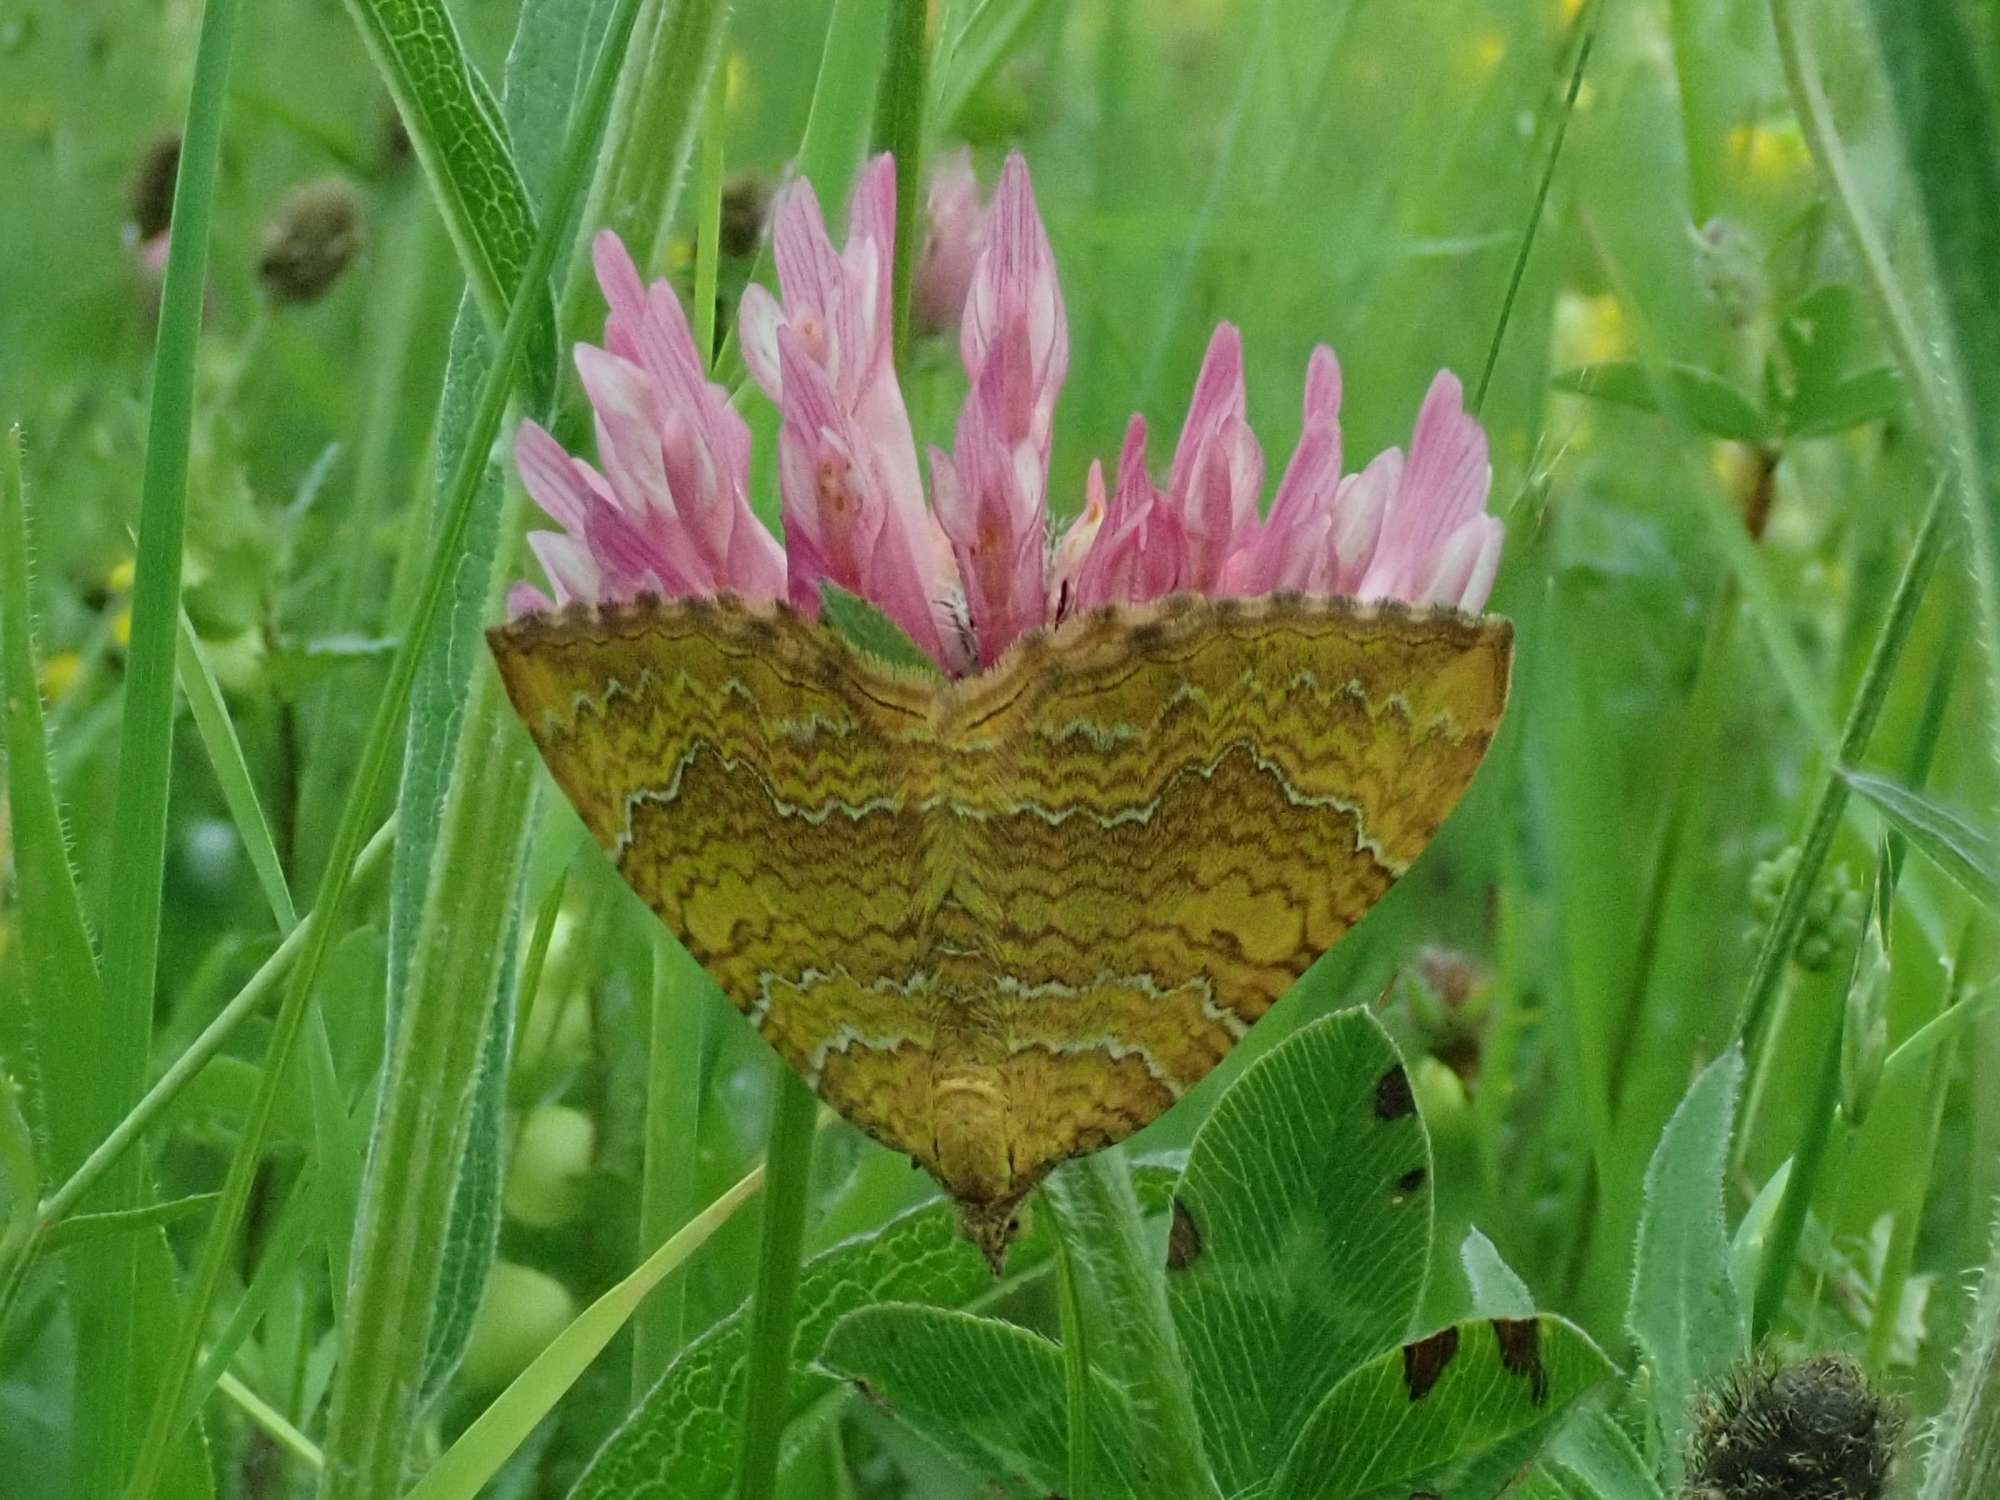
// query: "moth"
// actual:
[[1010, 919]]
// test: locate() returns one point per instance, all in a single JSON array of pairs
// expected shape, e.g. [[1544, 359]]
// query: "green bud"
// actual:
[[551, 1160], [519, 1315]]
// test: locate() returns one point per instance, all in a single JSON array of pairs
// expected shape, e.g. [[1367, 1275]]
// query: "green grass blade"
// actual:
[[440, 570], [1869, 697], [1076, 1366], [899, 130], [1534, 223], [455, 128], [683, 998], [1963, 852], [708, 225], [232, 774], [1950, 136], [57, 966], [84, 1228], [200, 1051], [494, 1435], [837, 127], [554, 44], [669, 75], [774, 1298], [414, 1162], [107, 1286]]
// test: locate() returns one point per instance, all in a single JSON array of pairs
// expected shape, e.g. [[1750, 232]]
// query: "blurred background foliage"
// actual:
[[1343, 170]]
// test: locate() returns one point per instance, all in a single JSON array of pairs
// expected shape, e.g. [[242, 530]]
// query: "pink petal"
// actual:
[[1359, 509], [526, 599], [550, 476], [1322, 399], [1466, 565], [758, 317], [955, 232], [1218, 396]]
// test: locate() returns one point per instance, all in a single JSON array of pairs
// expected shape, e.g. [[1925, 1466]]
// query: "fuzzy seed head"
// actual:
[[314, 238], [1813, 1430]]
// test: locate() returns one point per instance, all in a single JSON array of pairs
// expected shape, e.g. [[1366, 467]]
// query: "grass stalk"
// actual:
[[1520, 270], [421, 1133], [1076, 1360], [673, 1126], [708, 225], [61, 1203], [1900, 1255], [899, 129], [1824, 822], [1098, 1218], [106, 1286], [383, 734], [774, 1297], [1774, 1272], [1965, 1449]]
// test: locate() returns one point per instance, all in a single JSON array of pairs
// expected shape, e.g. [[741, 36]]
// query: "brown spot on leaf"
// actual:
[[1183, 1238], [1521, 1354], [1393, 1099], [1424, 1361], [873, 1397], [1410, 1181]]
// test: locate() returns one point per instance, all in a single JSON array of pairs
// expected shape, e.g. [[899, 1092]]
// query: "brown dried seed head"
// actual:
[[314, 238]]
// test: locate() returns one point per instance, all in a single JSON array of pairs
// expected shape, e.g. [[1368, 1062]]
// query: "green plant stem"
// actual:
[[899, 129], [774, 1299], [442, 567], [1076, 1360], [673, 1124], [1098, 1216], [107, 1286], [1690, 756], [1696, 112], [61, 1203], [1782, 934], [1950, 142], [1901, 1252], [708, 226], [1534, 223], [421, 1133], [668, 72], [1965, 1444], [537, 957], [1899, 323], [1781, 1249]]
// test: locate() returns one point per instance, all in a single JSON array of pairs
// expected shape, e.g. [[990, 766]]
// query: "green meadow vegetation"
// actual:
[[361, 1135]]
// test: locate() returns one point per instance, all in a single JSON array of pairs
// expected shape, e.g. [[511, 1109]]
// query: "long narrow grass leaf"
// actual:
[[1949, 130], [454, 126], [58, 969], [1783, 931], [496, 1432], [232, 774], [111, 1367], [1967, 855]]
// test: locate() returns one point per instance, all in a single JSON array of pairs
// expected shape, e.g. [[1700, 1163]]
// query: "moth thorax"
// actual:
[[969, 1117]]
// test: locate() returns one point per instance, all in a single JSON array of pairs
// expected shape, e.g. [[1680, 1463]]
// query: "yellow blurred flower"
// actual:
[[1568, 10], [121, 628], [1589, 330], [1770, 154], [1482, 56], [119, 579], [59, 674]]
